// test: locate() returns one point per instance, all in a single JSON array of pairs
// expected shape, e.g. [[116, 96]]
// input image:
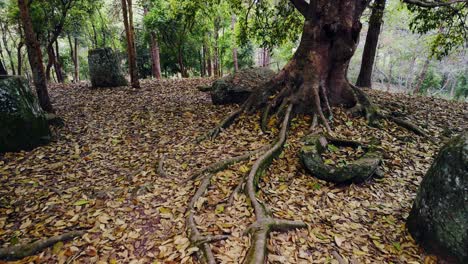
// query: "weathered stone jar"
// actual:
[[104, 68], [439, 218], [23, 124]]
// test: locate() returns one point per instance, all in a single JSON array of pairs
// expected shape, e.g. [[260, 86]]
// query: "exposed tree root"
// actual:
[[25, 250], [196, 238], [221, 165], [265, 223], [237, 190], [373, 114], [212, 134], [161, 170]]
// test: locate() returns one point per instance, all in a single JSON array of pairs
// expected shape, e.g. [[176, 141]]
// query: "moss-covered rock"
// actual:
[[438, 220], [236, 88], [23, 123], [104, 68], [356, 172]]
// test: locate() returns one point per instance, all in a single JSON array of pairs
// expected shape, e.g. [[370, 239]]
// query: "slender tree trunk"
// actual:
[[370, 48], [234, 46], [129, 32], [35, 57], [3, 71], [7, 49], [409, 77], [57, 65], [76, 62], [203, 61], [180, 60], [209, 65], [2, 58], [155, 58], [422, 76], [19, 57], [216, 48]]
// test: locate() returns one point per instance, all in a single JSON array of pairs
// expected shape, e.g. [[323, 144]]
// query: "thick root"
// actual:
[[25, 250], [373, 114], [265, 223], [219, 166], [212, 134], [196, 238]]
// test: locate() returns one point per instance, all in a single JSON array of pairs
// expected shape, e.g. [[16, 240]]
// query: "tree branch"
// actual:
[[436, 3], [301, 5]]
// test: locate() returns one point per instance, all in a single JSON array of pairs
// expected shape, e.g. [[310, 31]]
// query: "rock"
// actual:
[[356, 172], [236, 88], [23, 122], [438, 220], [104, 68]]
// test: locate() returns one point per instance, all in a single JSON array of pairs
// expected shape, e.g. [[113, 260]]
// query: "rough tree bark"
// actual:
[[370, 48], [35, 57], [129, 32], [315, 78]]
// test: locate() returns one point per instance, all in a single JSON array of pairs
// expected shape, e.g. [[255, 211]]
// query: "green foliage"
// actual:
[[270, 23], [447, 24], [462, 87], [433, 80]]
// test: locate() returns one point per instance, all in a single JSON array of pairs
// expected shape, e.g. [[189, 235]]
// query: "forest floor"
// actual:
[[100, 174]]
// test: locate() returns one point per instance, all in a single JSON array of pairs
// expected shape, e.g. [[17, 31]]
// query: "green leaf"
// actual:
[[397, 246], [332, 148], [81, 202], [219, 209]]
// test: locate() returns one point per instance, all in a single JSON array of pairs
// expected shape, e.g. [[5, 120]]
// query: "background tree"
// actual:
[[35, 57], [130, 36], [370, 48]]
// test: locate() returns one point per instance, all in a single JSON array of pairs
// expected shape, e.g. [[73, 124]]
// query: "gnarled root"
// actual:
[[221, 165], [25, 250], [373, 114], [265, 223], [196, 238], [213, 133]]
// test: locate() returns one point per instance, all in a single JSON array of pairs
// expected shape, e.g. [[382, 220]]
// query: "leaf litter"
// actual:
[[101, 174]]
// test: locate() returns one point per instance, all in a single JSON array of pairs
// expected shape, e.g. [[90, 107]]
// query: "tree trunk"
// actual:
[[19, 57], [315, 78], [7, 49], [35, 57], [155, 59], [129, 32], [57, 65], [370, 48], [422, 76], [234, 47], [76, 62], [180, 60], [3, 71], [216, 48], [209, 67], [409, 77]]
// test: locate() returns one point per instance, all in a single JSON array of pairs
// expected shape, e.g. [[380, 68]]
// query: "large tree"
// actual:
[[35, 57], [311, 82]]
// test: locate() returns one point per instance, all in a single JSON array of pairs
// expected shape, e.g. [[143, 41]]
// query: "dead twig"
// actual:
[[25, 250]]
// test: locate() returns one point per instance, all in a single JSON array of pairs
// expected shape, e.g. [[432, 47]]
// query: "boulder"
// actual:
[[438, 220], [23, 122], [236, 88], [104, 68], [357, 171]]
